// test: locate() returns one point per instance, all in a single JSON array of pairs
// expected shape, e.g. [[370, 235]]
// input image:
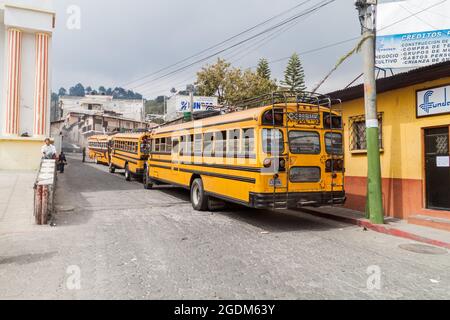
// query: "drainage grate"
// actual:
[[423, 249]]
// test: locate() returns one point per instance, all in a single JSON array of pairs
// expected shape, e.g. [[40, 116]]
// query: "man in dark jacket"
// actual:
[[62, 161]]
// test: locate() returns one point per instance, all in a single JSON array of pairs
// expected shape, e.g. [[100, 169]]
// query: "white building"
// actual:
[[126, 108], [26, 28], [178, 105]]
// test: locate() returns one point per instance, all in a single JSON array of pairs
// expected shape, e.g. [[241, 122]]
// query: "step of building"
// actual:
[[430, 221], [433, 213]]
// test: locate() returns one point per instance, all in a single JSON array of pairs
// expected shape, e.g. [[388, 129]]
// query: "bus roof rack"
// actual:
[[284, 97]]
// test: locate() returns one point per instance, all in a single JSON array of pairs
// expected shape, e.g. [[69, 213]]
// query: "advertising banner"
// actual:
[[413, 33]]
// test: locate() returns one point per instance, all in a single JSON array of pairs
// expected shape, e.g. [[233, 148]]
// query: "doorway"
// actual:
[[437, 168]]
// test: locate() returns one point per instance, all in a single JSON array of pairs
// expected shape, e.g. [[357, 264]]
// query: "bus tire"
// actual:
[[199, 199], [127, 173], [146, 179], [112, 169]]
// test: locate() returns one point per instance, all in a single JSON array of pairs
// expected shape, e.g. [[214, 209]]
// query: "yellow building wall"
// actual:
[[20, 154], [402, 157]]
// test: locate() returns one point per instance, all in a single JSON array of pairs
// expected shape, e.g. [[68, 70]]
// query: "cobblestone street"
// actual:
[[131, 243]]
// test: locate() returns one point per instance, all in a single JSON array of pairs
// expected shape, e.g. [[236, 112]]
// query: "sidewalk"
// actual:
[[394, 227], [16, 201]]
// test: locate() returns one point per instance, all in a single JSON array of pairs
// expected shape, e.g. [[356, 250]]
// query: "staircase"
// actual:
[[431, 218]]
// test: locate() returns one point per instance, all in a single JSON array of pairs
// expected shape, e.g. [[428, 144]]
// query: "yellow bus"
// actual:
[[284, 151], [99, 149], [129, 152]]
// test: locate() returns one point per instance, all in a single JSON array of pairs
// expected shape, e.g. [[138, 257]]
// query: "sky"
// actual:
[[121, 41]]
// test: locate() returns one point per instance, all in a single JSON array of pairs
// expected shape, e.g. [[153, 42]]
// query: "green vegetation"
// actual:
[[294, 76]]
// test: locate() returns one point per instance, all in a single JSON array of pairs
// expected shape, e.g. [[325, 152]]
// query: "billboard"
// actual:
[[180, 104], [413, 33]]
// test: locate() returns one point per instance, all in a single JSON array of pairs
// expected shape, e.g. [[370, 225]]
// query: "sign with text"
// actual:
[[412, 33], [433, 101], [304, 118], [200, 104]]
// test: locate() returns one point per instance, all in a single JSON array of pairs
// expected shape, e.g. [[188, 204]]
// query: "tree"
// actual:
[[88, 90], [62, 92], [55, 97], [102, 90], [294, 76], [263, 69], [232, 85], [211, 79], [77, 91]]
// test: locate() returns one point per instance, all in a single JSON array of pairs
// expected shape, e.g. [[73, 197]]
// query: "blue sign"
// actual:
[[412, 50]]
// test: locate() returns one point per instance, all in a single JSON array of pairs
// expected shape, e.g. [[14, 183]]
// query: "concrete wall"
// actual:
[[20, 154], [30, 16], [402, 157]]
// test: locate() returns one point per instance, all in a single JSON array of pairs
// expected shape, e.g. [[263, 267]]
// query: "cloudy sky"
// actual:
[[121, 41]]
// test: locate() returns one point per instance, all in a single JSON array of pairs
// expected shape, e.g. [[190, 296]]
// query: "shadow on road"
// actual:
[[27, 258], [271, 221]]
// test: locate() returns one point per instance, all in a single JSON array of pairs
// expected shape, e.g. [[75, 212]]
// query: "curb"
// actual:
[[385, 229]]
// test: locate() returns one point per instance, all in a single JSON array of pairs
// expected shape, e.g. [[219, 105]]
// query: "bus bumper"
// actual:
[[296, 200]]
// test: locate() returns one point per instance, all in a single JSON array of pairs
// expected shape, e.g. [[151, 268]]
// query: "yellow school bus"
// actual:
[[99, 149], [129, 152], [283, 151]]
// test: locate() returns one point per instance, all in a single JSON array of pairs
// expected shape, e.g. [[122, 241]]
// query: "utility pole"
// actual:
[[191, 104], [367, 14]]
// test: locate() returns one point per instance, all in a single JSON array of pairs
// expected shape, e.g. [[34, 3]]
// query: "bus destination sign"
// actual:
[[304, 118]]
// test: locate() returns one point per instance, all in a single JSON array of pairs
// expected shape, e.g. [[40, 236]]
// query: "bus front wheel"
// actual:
[[112, 169], [199, 199]]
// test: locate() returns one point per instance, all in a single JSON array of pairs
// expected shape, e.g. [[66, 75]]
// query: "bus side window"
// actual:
[[234, 137], [208, 141], [198, 145], [189, 145], [169, 145], [220, 148], [162, 147], [249, 142], [182, 145], [175, 146], [157, 145]]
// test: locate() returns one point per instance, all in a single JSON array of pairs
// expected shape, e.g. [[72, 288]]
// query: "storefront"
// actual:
[[414, 117]]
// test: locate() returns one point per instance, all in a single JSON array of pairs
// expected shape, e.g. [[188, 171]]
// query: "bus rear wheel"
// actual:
[[146, 179], [199, 199], [127, 173]]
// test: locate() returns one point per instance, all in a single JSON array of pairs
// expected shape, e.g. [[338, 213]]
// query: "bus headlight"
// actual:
[[267, 163], [282, 164]]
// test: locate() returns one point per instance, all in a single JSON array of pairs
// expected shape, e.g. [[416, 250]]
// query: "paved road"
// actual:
[[123, 242]]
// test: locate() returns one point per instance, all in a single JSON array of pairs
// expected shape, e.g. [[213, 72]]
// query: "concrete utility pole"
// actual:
[[367, 15], [191, 104]]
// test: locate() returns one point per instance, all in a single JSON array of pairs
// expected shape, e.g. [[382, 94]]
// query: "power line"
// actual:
[[347, 40], [222, 42], [293, 18]]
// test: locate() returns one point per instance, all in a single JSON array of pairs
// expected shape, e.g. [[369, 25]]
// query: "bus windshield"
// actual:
[[273, 141], [333, 143], [304, 142]]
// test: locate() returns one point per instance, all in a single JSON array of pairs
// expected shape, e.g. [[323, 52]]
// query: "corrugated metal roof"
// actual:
[[401, 80]]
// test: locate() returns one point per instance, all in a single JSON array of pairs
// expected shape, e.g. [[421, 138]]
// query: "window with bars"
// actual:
[[357, 126]]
